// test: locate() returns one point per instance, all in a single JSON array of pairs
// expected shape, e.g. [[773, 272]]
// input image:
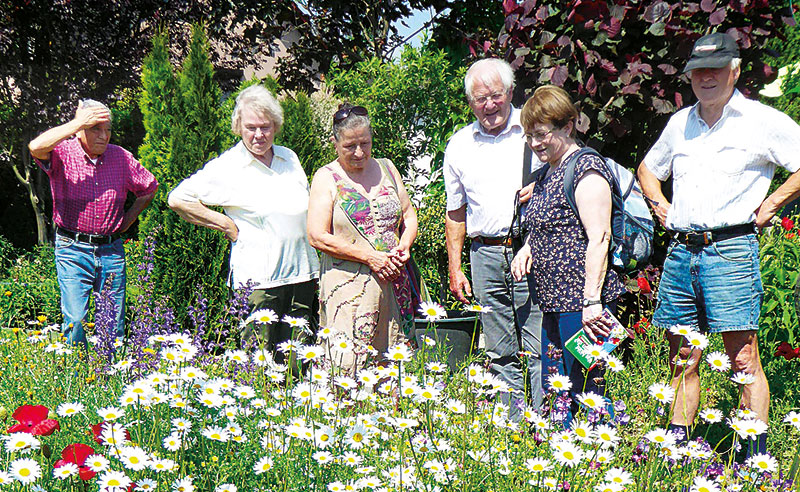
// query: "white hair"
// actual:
[[260, 99], [91, 103], [488, 70]]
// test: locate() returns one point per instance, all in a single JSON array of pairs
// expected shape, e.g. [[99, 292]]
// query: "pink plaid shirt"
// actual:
[[89, 197]]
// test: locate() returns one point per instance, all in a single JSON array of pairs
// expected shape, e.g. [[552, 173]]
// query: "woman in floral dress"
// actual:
[[567, 252], [361, 219]]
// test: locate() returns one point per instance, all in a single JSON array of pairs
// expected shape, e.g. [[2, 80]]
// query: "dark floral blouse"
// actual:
[[558, 242]]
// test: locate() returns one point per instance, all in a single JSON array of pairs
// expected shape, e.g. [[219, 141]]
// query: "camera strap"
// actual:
[[515, 234]]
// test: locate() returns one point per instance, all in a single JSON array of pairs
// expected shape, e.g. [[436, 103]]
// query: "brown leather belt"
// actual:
[[493, 241]]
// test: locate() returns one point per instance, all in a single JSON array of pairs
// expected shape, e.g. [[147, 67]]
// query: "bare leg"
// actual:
[[685, 380], [742, 349]]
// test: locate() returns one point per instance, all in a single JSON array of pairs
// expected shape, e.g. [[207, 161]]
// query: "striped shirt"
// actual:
[[90, 197], [722, 174]]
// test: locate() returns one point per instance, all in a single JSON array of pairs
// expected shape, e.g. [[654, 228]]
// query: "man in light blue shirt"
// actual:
[[721, 154]]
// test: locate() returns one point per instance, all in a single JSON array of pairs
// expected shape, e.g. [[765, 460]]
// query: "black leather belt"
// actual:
[[493, 241], [86, 238], [702, 238]]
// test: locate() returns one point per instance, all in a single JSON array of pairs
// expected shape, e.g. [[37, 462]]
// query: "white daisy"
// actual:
[[25, 470], [718, 361], [432, 311], [69, 409]]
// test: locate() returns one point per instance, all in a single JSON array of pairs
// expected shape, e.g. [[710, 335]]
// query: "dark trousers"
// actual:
[[295, 300]]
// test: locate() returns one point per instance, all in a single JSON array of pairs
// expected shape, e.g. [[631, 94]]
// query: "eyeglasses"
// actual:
[[538, 136], [496, 98], [345, 113]]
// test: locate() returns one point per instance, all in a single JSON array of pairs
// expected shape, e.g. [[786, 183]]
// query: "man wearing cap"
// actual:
[[483, 165], [721, 154], [90, 180]]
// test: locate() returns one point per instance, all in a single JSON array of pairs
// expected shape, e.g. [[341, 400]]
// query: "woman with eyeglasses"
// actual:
[[567, 253], [361, 219]]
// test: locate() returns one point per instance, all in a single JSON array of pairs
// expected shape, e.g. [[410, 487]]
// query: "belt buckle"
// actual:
[[699, 238]]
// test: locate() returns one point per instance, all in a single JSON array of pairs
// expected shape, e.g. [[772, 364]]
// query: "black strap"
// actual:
[[527, 172]]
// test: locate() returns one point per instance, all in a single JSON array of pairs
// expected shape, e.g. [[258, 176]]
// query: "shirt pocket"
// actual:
[[731, 160], [682, 163]]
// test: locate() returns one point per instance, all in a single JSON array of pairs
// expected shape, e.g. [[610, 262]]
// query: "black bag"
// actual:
[[519, 229]]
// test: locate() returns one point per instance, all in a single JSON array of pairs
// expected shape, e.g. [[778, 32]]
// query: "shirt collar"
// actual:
[[734, 104], [86, 156], [512, 123], [278, 152]]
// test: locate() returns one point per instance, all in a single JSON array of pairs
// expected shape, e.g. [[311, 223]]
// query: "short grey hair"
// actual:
[[259, 99], [352, 121], [91, 103], [488, 70]]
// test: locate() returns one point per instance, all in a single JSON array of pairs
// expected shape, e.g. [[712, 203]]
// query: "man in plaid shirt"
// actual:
[[90, 180]]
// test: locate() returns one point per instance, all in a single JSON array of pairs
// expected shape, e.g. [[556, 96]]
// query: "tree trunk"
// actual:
[[34, 192]]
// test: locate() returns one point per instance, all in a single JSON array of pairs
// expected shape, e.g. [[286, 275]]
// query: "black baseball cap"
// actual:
[[713, 50]]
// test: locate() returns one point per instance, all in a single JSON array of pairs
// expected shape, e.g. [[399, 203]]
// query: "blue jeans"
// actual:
[[557, 328], [715, 287], [84, 268], [491, 283]]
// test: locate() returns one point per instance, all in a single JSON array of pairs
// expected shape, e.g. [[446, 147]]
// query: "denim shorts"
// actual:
[[714, 288]]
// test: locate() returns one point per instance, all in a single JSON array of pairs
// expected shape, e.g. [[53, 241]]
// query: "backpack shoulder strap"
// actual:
[[569, 175], [527, 172]]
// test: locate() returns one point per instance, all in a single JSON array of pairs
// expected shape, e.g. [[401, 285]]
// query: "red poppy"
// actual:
[[641, 326], [787, 352], [33, 420], [77, 454], [644, 285], [97, 429], [787, 223], [790, 235]]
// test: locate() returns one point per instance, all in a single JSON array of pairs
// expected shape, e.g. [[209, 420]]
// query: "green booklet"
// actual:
[[588, 352]]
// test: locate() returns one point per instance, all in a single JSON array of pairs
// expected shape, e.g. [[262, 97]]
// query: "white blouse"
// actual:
[[269, 205]]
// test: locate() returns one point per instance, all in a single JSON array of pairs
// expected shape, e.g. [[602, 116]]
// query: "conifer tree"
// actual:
[[157, 103], [184, 132]]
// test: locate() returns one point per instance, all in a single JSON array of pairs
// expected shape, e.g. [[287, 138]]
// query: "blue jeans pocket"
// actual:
[[63, 242], [737, 249]]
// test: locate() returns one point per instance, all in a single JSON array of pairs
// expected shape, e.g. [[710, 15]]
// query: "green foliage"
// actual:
[[414, 102], [187, 257], [622, 61], [157, 106], [429, 249], [301, 132], [127, 119], [780, 264], [28, 287]]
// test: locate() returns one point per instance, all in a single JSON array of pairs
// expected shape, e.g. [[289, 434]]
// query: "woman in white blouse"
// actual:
[[263, 191]]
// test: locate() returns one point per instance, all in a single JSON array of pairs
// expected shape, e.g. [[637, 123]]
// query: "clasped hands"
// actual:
[[388, 265]]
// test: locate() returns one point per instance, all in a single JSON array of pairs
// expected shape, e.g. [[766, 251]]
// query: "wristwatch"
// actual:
[[591, 302]]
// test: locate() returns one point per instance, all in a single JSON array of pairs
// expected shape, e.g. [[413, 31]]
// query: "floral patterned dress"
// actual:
[[354, 304], [558, 242]]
